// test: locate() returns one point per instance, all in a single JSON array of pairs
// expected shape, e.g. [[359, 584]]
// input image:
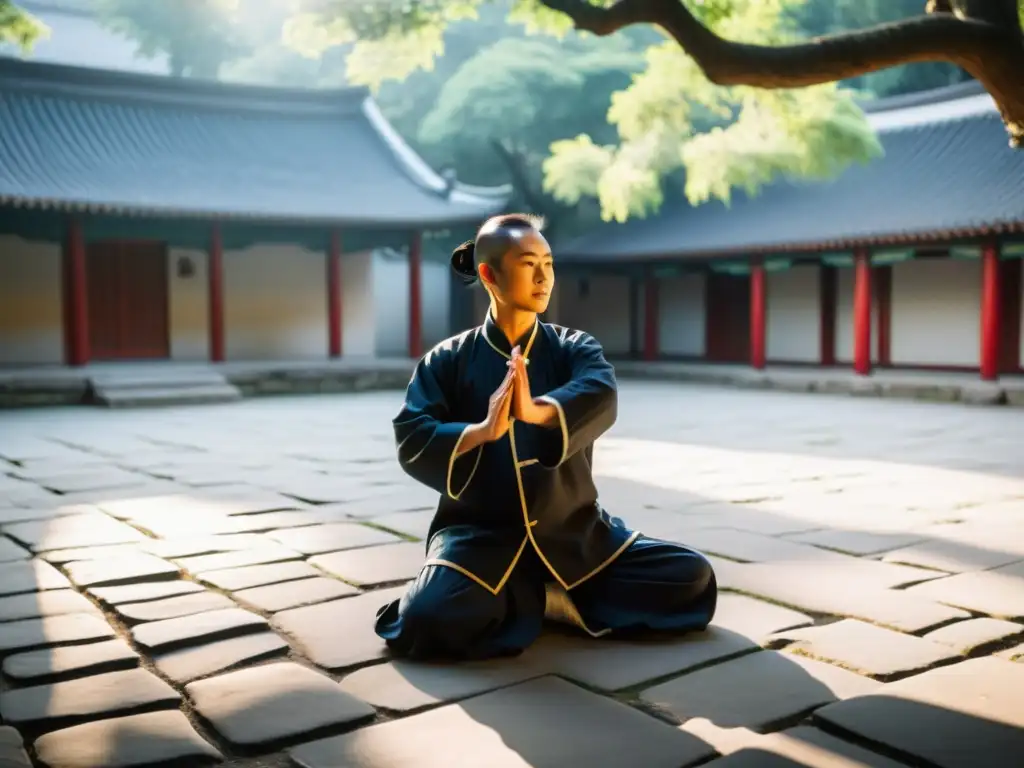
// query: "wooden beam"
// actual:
[[76, 295]]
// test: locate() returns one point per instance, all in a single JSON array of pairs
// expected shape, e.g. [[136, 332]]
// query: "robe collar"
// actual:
[[497, 340]]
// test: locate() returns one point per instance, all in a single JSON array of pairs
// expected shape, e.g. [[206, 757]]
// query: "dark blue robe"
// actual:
[[519, 533]]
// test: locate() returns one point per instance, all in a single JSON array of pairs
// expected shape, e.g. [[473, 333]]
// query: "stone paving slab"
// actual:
[[52, 630], [867, 649], [272, 553], [968, 636], [991, 592], [509, 729], [191, 630], [857, 543], [110, 551], [374, 565], [232, 579], [31, 576], [9, 515], [755, 619], [787, 686], [294, 594], [72, 531], [124, 570], [127, 742], [415, 524], [274, 702], [969, 715], [188, 664], [338, 634], [754, 547], [146, 591], [319, 539], [10, 551], [12, 749], [108, 694], [953, 556], [99, 657], [173, 607], [192, 546], [800, 747], [32, 605]]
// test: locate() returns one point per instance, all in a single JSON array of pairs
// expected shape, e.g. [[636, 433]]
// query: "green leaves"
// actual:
[[18, 27]]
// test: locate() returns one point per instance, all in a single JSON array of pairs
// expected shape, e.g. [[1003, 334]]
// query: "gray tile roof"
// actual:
[[88, 139], [948, 172]]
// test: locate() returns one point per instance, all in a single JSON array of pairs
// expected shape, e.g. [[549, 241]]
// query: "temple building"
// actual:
[[912, 261], [144, 217]]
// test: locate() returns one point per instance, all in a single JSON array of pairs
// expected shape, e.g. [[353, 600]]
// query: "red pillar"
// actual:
[[76, 296], [334, 320], [862, 312], [758, 316], [415, 297], [990, 324], [652, 317], [215, 270]]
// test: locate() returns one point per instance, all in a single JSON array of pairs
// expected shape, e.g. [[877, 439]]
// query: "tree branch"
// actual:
[[992, 53]]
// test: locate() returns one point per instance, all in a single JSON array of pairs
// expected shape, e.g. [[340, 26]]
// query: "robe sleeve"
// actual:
[[427, 439], [587, 405]]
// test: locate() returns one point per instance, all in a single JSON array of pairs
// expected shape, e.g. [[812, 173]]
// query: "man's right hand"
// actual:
[[497, 423]]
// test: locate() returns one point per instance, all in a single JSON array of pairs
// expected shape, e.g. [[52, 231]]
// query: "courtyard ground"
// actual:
[[189, 584]]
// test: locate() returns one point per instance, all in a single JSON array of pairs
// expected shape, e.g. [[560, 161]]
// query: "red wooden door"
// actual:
[[128, 301], [727, 315], [1010, 315]]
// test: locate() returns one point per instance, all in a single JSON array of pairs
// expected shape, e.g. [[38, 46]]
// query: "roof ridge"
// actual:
[[92, 82]]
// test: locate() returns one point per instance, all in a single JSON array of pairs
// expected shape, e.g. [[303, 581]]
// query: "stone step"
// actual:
[[140, 397], [156, 379]]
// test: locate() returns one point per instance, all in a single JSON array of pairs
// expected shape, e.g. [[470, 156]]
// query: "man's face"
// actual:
[[527, 274]]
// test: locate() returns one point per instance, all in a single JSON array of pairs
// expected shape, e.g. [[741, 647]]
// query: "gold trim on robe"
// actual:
[[451, 466]]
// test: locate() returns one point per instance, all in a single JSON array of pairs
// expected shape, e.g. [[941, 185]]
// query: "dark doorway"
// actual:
[[727, 315], [128, 312]]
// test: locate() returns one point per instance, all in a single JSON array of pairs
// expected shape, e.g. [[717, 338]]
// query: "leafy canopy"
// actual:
[[19, 28], [661, 118]]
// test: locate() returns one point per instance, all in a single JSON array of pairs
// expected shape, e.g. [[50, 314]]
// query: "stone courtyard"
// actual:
[[192, 586]]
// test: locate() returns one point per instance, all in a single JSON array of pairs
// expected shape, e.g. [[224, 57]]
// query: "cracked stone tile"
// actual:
[[188, 664], [867, 649], [340, 633], [965, 636], [9, 551], [1013, 654], [857, 543], [174, 607], [403, 685], [35, 604], [72, 531], [30, 576], [96, 573], [212, 544], [62, 556], [318, 539], [273, 702], [293, 594], [514, 727], [105, 656], [374, 565], [995, 593], [186, 523], [754, 547], [411, 497], [52, 630], [269, 554], [112, 693], [755, 618], [800, 747], [12, 749], [968, 715], [784, 686], [415, 524], [848, 590], [160, 635], [613, 665], [127, 742], [148, 590], [232, 579], [953, 556]]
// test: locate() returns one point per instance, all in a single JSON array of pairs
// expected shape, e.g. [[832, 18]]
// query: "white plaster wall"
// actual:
[[936, 312], [844, 319], [603, 313], [794, 315], [188, 303], [682, 315], [358, 310], [1021, 337], [275, 303], [31, 312], [391, 297]]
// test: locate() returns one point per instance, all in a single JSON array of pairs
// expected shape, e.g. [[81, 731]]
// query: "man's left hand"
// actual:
[[524, 408]]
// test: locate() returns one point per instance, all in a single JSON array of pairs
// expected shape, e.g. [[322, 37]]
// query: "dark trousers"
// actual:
[[654, 586]]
